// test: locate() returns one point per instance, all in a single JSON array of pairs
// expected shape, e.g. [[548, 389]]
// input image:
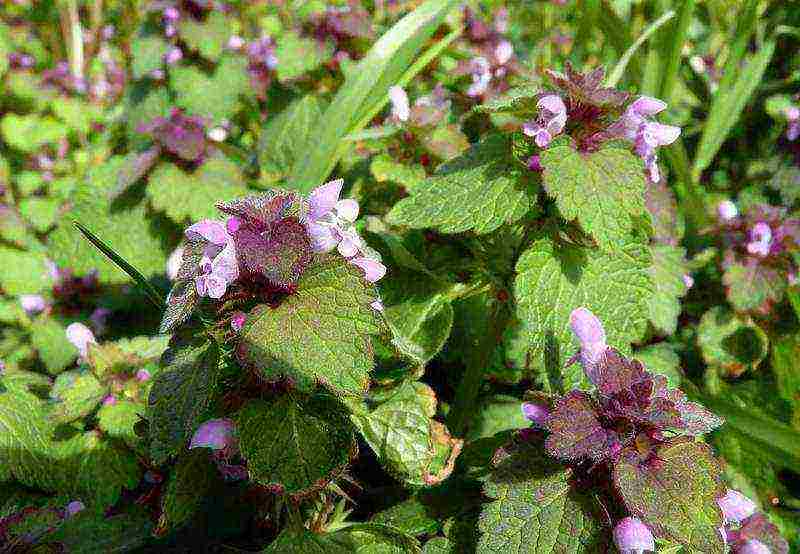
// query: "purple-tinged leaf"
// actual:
[[587, 88], [133, 170], [675, 492], [576, 431], [280, 251]]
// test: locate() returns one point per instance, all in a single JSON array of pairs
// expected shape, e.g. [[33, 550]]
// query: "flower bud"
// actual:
[[81, 337], [535, 413], [633, 537], [32, 303], [74, 507], [688, 280], [142, 375], [400, 106], [736, 507], [110, 400], [238, 320], [216, 434]]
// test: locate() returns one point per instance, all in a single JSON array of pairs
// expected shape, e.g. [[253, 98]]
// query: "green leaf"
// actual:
[[785, 354], [78, 115], [295, 446], [49, 338], [362, 95], [662, 359], [667, 271], [208, 37], [192, 197], [534, 509], [118, 421], [676, 497], [554, 280], [786, 180], [181, 393], [753, 286], [496, 414], [125, 227], [603, 190], [408, 442], [90, 532], [298, 55], [728, 104], [79, 399], [31, 132], [147, 54], [520, 101], [730, 343], [480, 190], [190, 482], [215, 97], [284, 137], [41, 213], [365, 538], [23, 272], [319, 334], [384, 169]]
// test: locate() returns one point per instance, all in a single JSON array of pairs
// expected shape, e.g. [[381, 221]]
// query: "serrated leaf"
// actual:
[[119, 419], [534, 509], [296, 446], [753, 286], [50, 340], [79, 399], [554, 280], [354, 539], [520, 101], [29, 133], [41, 213], [181, 393], [90, 532], [23, 272], [147, 54], [208, 37], [661, 359], [318, 334], [403, 434], [127, 228], [480, 190], [285, 136], [676, 496], [214, 97], [384, 169], [193, 197], [576, 431], [669, 267], [191, 479], [603, 190], [729, 342]]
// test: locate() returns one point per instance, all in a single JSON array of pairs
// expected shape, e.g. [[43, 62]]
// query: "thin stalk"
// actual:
[[679, 32], [73, 36], [619, 69]]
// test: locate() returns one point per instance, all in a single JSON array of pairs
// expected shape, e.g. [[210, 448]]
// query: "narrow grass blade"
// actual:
[[726, 107], [386, 64], [151, 292], [673, 60], [619, 69]]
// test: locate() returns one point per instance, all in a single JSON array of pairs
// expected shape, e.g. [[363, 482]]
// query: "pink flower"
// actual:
[[401, 109], [32, 303], [753, 546], [551, 121], [688, 280], [110, 400], [216, 434], [535, 163], [633, 537], [592, 338], [74, 507], [142, 375], [535, 413], [727, 211], [793, 117], [238, 320], [174, 263], [736, 507], [481, 72], [760, 240], [645, 134], [81, 337], [218, 266]]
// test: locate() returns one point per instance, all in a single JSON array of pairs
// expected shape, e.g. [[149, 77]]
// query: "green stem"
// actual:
[[484, 341]]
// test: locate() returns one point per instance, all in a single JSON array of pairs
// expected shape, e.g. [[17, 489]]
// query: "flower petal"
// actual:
[[373, 269], [323, 198], [647, 106], [210, 230], [347, 209]]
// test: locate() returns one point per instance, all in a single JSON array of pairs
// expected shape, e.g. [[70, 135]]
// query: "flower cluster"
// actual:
[[745, 529], [494, 61], [595, 115], [181, 135]]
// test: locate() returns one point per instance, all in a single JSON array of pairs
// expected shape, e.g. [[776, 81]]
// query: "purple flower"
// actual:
[[727, 211], [645, 134], [688, 280], [238, 320], [551, 121], [174, 55], [535, 163], [503, 52], [216, 434], [633, 537], [736, 507], [218, 266], [759, 239], [142, 375], [481, 72], [110, 400], [235, 42], [81, 338], [592, 338], [536, 413], [401, 109], [753, 546], [793, 117], [74, 507], [32, 303], [329, 223]]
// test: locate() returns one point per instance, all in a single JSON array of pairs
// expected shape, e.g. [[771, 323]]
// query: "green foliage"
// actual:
[[285, 136], [534, 509], [603, 190], [752, 286], [79, 399], [28, 133], [295, 445], [89, 532], [479, 191], [49, 339], [147, 55], [207, 37], [181, 394], [190, 482], [320, 334], [298, 55], [554, 279], [669, 267], [359, 539], [676, 497], [23, 272], [730, 343], [216, 96]]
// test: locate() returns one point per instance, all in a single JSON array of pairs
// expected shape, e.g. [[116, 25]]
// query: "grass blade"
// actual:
[[673, 63], [151, 292], [726, 107], [619, 69], [387, 63]]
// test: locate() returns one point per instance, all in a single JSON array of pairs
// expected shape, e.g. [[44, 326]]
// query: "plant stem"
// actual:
[[73, 36], [484, 340]]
